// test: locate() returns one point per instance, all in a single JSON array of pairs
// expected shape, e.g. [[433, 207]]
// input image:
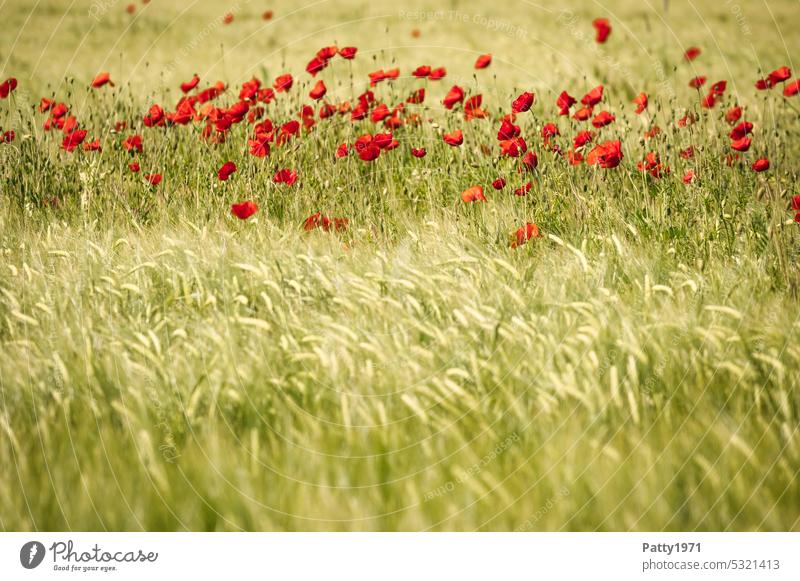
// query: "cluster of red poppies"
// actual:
[[199, 106]]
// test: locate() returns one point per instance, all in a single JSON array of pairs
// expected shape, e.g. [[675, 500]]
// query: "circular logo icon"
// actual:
[[31, 554]]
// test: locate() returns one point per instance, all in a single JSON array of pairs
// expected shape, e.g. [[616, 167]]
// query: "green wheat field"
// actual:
[[165, 365]]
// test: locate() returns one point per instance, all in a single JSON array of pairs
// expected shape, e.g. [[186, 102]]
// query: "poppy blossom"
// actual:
[[602, 28], [134, 166], [742, 129], [697, 82], [779, 76], [244, 210], [691, 53], [228, 18], [154, 117], [593, 97], [369, 152], [226, 170], [283, 83], [102, 79], [318, 92], [530, 161], [581, 139], [760, 165], [267, 15], [688, 177], [652, 165], [641, 102], [507, 130], [742, 144], [473, 194], [483, 61], [418, 152], [45, 104], [133, 143], [7, 87], [523, 102], [285, 176], [525, 233], [564, 102], [190, 84], [73, 139], [348, 52], [422, 71], [607, 155], [455, 138], [499, 184], [523, 190], [602, 119], [791, 89], [513, 147], [259, 147], [454, 96], [154, 178], [687, 153], [10, 135], [733, 115]]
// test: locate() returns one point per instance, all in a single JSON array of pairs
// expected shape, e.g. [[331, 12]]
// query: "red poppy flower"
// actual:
[[154, 178], [130, 8], [523, 102], [688, 177], [530, 161], [73, 139], [226, 170], [483, 61], [259, 147], [742, 144], [283, 83], [779, 76], [454, 96], [348, 52], [691, 53], [318, 92], [582, 139], [190, 84], [59, 111], [422, 71], [499, 184], [285, 176], [742, 129], [472, 108], [564, 102], [708, 101], [473, 194], [315, 65], [733, 115], [593, 97], [602, 28], [762, 84], [10, 135], [602, 119], [133, 143], [760, 165], [792, 89], [369, 152], [382, 140], [244, 210], [641, 102], [507, 130], [652, 165], [381, 75], [154, 117], [607, 155], [317, 220], [267, 15], [102, 79], [549, 130], [523, 190], [687, 153], [455, 138], [697, 82], [521, 236], [7, 87], [45, 104], [513, 147], [438, 74], [418, 152]]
